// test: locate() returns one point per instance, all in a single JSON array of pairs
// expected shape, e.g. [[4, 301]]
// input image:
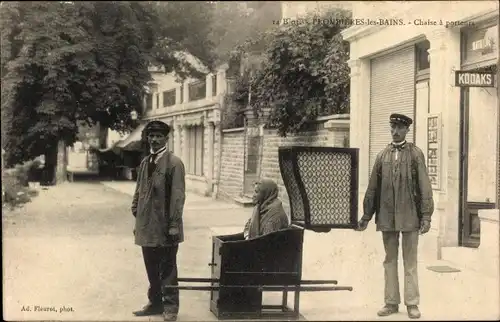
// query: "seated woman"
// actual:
[[268, 214]]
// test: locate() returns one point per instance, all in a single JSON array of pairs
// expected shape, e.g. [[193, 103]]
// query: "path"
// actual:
[[73, 247]]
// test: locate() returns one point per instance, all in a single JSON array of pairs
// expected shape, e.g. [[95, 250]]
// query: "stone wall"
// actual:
[[327, 131], [232, 162]]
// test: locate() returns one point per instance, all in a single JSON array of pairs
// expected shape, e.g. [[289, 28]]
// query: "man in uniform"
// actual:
[[399, 193], [158, 206]]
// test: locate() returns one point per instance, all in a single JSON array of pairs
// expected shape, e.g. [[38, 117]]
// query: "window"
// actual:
[[157, 100], [214, 85], [195, 148], [423, 55], [149, 102], [197, 90], [182, 94], [169, 98]]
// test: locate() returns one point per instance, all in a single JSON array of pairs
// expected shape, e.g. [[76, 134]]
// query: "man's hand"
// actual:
[[425, 225], [362, 225], [173, 231]]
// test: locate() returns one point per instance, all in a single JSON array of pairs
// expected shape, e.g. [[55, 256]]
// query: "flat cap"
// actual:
[[401, 119], [157, 126]]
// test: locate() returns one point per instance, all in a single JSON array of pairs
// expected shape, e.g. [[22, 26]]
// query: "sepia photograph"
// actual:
[[250, 160]]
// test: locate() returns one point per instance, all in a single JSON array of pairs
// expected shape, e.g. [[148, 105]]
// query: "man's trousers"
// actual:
[[161, 267], [410, 247]]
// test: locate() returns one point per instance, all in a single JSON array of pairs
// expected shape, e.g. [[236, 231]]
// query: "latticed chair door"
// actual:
[[322, 185]]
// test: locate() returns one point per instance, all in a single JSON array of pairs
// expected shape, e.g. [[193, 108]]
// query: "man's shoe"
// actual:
[[169, 316], [388, 310], [413, 312], [150, 309]]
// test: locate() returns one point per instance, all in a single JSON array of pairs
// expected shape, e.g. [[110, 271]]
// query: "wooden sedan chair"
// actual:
[[322, 185]]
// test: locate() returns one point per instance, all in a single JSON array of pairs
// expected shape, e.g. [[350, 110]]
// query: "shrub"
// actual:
[[15, 181], [29, 171]]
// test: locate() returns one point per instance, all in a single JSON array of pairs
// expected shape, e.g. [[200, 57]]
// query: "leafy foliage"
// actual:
[[301, 75], [232, 115], [15, 183], [234, 23], [64, 62]]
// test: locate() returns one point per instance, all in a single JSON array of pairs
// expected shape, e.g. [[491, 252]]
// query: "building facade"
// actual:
[[192, 109], [80, 157], [406, 63]]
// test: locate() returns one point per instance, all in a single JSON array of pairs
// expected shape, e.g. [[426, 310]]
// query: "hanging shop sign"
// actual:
[[433, 150], [474, 79]]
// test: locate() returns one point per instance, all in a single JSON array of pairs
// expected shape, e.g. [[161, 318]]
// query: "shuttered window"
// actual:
[[392, 90], [195, 147]]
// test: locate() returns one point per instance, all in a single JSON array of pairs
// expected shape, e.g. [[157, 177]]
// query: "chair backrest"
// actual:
[[322, 185], [271, 259]]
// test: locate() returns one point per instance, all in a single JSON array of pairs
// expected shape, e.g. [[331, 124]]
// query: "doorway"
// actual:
[[478, 158]]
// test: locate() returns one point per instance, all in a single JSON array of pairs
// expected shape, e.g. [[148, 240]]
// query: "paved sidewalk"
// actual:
[[355, 259], [73, 247]]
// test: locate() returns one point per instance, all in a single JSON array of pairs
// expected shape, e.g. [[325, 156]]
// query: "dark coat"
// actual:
[[399, 192], [158, 202]]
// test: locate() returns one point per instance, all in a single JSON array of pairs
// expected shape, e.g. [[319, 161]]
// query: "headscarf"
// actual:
[[268, 207]]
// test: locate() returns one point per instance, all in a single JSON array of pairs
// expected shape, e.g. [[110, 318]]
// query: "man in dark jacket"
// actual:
[[400, 194], [157, 206]]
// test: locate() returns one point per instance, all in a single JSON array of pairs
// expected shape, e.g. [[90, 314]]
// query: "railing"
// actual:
[[177, 98]]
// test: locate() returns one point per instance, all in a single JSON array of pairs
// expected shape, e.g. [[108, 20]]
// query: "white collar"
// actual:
[[159, 153], [399, 144]]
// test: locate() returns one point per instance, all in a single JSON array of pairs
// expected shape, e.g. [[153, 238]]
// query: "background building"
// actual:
[[410, 68], [192, 109]]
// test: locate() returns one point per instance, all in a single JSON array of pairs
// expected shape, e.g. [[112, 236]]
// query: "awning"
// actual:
[[135, 146], [136, 135], [111, 149]]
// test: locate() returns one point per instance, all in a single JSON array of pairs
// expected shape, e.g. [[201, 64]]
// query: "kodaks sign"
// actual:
[[474, 79]]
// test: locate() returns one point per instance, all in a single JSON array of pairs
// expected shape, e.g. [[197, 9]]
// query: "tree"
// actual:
[[64, 62], [303, 74], [239, 31], [235, 23]]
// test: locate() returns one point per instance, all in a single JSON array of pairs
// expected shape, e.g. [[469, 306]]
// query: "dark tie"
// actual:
[[398, 147], [152, 164]]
